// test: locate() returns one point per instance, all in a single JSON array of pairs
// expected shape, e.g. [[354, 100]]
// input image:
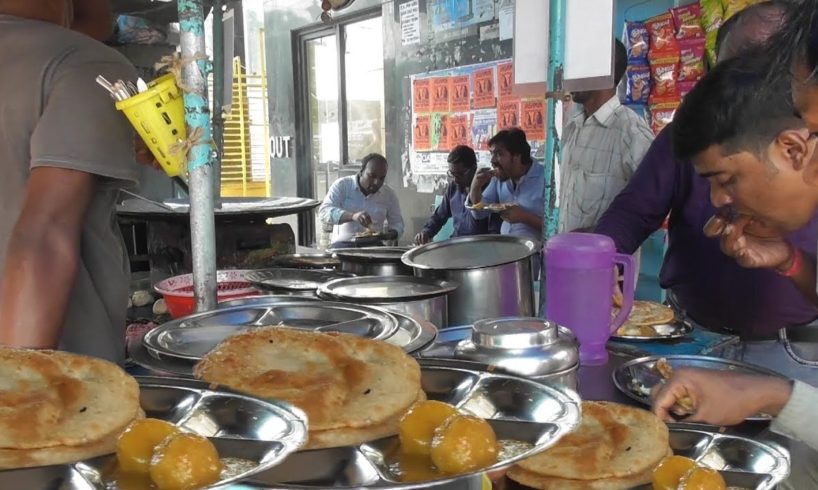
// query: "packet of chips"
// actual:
[[688, 21], [638, 84], [732, 7], [662, 36], [664, 75], [637, 42], [712, 12], [691, 64], [684, 88], [661, 115]]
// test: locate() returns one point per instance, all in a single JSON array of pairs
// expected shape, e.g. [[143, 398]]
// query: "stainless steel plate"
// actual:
[[291, 279], [412, 336], [496, 207], [635, 378], [370, 254], [379, 289], [666, 331], [194, 336], [262, 433], [306, 261], [517, 409], [744, 463]]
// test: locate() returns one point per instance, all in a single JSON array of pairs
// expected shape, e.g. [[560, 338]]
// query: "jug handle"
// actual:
[[628, 289]]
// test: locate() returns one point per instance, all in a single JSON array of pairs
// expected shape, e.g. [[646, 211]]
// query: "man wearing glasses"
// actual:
[[462, 166]]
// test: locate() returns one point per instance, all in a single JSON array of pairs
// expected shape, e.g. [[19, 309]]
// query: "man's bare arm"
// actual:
[[43, 257]]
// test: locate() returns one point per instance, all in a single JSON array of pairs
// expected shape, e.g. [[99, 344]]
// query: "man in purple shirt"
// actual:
[[462, 165], [708, 286]]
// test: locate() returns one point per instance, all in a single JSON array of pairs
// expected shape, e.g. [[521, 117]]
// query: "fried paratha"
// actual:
[[53, 398], [647, 313], [341, 381], [613, 441]]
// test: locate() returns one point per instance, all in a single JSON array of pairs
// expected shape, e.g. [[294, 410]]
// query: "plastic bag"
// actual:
[[688, 21], [637, 42], [662, 35], [661, 115], [638, 84], [664, 75], [136, 30], [691, 64], [712, 18]]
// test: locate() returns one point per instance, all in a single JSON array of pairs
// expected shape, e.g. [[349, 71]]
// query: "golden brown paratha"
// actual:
[[647, 313], [341, 381], [612, 441], [53, 398]]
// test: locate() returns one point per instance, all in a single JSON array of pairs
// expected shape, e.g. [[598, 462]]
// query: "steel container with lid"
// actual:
[[423, 298], [526, 346], [494, 274], [373, 261]]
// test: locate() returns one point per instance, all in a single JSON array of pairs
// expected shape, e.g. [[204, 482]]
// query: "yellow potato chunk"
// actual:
[[702, 479], [464, 443], [670, 471], [184, 462], [418, 426], [134, 448]]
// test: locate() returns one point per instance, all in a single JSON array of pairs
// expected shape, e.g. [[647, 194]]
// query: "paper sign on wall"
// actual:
[[423, 133], [421, 95], [440, 94], [459, 130], [508, 113], [505, 80], [533, 119], [484, 94], [460, 100]]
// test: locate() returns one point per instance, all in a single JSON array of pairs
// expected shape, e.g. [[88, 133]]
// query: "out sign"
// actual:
[[280, 146]]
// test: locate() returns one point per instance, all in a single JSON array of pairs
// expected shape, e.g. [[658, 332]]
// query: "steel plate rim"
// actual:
[[358, 254], [409, 257], [444, 287], [685, 329], [620, 370], [257, 279], [158, 349], [781, 456]]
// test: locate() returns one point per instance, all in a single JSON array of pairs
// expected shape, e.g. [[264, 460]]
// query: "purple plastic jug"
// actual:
[[579, 290]]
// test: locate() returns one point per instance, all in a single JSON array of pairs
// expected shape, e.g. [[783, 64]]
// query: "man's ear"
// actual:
[[794, 148]]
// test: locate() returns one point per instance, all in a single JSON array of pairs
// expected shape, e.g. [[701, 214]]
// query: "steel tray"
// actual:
[[666, 331], [280, 279], [517, 409], [262, 432], [641, 372], [194, 336], [412, 336], [744, 463]]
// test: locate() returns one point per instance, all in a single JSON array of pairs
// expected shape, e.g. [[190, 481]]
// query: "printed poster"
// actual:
[[505, 79], [440, 132], [423, 133], [508, 113], [409, 23], [483, 127], [460, 100], [421, 96], [484, 94], [533, 119], [440, 94], [459, 130]]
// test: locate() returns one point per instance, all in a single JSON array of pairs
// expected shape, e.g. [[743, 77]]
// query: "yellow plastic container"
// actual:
[[158, 115]]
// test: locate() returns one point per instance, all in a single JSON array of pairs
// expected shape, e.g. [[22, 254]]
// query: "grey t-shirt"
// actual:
[[53, 114]]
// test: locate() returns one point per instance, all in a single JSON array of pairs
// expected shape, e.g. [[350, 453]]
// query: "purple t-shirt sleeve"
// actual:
[[646, 200]]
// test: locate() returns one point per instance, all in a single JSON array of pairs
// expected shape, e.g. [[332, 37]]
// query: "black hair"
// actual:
[[513, 140], [796, 41], [463, 155], [372, 157], [620, 61], [725, 29], [734, 106]]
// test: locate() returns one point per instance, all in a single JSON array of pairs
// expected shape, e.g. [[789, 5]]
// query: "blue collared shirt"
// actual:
[[345, 195], [453, 206], [527, 193]]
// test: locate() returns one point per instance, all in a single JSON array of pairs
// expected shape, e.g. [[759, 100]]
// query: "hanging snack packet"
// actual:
[[732, 7], [661, 115], [662, 35], [691, 65], [688, 21], [712, 18], [684, 88], [637, 41], [638, 84], [664, 75]]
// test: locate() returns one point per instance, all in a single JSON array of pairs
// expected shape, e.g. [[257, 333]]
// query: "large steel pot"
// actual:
[[373, 261], [494, 274], [415, 296]]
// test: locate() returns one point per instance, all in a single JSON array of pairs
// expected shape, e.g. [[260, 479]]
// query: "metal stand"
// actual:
[[200, 165]]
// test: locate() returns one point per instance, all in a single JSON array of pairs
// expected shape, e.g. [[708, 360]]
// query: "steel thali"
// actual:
[[194, 336], [635, 378], [676, 329], [251, 435]]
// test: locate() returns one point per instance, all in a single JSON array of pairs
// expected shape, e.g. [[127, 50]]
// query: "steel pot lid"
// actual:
[[306, 261], [472, 252], [371, 254], [385, 289], [524, 345], [291, 279]]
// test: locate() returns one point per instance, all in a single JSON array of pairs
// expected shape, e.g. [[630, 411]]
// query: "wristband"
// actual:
[[797, 263]]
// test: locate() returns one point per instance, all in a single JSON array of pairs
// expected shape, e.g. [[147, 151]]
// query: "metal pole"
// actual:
[[200, 164], [556, 53], [218, 93]]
